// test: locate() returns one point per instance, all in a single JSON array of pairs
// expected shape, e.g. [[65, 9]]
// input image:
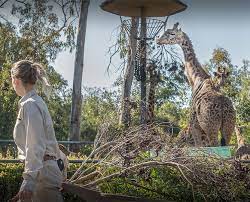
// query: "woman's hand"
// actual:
[[22, 195]]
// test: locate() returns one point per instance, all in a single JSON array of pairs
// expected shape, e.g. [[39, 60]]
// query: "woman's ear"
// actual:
[[17, 82]]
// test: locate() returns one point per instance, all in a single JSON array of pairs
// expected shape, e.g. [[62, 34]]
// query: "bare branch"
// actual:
[[197, 170], [5, 19], [111, 57], [2, 4], [76, 8], [132, 168], [66, 22], [22, 2]]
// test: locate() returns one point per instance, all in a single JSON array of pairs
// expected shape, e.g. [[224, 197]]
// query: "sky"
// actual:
[[209, 24]]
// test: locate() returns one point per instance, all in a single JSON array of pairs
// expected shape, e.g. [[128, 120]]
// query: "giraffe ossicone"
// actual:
[[211, 111]]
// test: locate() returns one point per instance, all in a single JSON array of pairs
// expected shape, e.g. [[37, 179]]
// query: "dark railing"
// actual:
[[7, 143], [4, 142], [70, 161], [11, 142]]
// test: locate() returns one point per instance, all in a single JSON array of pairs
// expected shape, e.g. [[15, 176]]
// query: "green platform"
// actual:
[[224, 152]]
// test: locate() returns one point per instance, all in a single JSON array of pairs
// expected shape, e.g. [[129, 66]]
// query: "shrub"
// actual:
[[11, 179], [160, 183]]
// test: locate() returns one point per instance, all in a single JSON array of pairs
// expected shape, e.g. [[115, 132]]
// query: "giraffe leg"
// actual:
[[226, 133], [228, 122], [209, 117], [210, 137], [199, 137], [214, 139], [196, 131]]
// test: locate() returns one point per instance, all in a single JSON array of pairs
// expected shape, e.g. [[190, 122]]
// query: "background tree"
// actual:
[[125, 115], [35, 30], [76, 106], [99, 106]]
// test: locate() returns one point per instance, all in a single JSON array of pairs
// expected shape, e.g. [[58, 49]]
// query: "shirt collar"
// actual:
[[27, 96]]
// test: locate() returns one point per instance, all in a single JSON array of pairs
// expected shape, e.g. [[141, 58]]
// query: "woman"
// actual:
[[35, 137]]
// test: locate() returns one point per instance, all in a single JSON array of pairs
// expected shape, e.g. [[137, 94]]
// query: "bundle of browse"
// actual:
[[146, 162]]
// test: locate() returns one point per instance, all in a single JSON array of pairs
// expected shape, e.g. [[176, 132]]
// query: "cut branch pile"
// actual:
[[132, 156]]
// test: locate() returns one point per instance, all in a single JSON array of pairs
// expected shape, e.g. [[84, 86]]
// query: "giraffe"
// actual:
[[154, 79], [129, 105], [211, 111], [221, 76]]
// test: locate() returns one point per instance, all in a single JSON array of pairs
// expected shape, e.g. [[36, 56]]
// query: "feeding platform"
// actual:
[[151, 8], [223, 152]]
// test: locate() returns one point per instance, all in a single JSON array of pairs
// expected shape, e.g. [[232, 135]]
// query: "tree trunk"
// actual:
[[125, 117], [77, 82]]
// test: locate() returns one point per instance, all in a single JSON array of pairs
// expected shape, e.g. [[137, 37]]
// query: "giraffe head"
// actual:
[[221, 76], [171, 36]]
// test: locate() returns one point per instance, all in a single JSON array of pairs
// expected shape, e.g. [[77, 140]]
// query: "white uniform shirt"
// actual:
[[34, 136]]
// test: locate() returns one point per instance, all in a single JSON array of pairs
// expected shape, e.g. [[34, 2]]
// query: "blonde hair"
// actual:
[[30, 73]]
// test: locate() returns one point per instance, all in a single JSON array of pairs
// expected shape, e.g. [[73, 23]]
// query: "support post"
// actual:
[[143, 34]]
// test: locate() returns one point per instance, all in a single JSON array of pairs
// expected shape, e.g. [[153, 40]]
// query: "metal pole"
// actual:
[[143, 61]]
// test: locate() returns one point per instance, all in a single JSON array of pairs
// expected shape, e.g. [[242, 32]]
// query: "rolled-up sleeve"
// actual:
[[35, 145]]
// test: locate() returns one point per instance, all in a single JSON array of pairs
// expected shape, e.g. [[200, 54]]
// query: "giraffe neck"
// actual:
[[151, 97], [193, 70]]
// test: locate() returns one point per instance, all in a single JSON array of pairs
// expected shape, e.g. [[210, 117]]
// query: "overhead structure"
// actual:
[[144, 9], [150, 8]]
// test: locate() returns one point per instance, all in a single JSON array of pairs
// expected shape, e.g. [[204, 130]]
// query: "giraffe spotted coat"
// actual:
[[211, 111]]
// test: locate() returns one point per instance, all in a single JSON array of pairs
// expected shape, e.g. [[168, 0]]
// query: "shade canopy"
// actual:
[[151, 8]]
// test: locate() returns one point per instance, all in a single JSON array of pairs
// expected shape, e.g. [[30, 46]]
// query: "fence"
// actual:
[[11, 143]]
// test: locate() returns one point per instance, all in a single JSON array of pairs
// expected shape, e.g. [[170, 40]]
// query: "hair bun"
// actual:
[[33, 75], [27, 71], [40, 72]]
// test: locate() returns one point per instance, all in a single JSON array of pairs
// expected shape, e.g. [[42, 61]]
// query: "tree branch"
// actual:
[[65, 22], [4, 18], [2, 4]]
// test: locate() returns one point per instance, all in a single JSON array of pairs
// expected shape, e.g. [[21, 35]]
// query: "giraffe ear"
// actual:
[[216, 74], [176, 25]]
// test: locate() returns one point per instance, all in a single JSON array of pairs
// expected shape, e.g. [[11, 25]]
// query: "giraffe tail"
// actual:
[[243, 151]]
